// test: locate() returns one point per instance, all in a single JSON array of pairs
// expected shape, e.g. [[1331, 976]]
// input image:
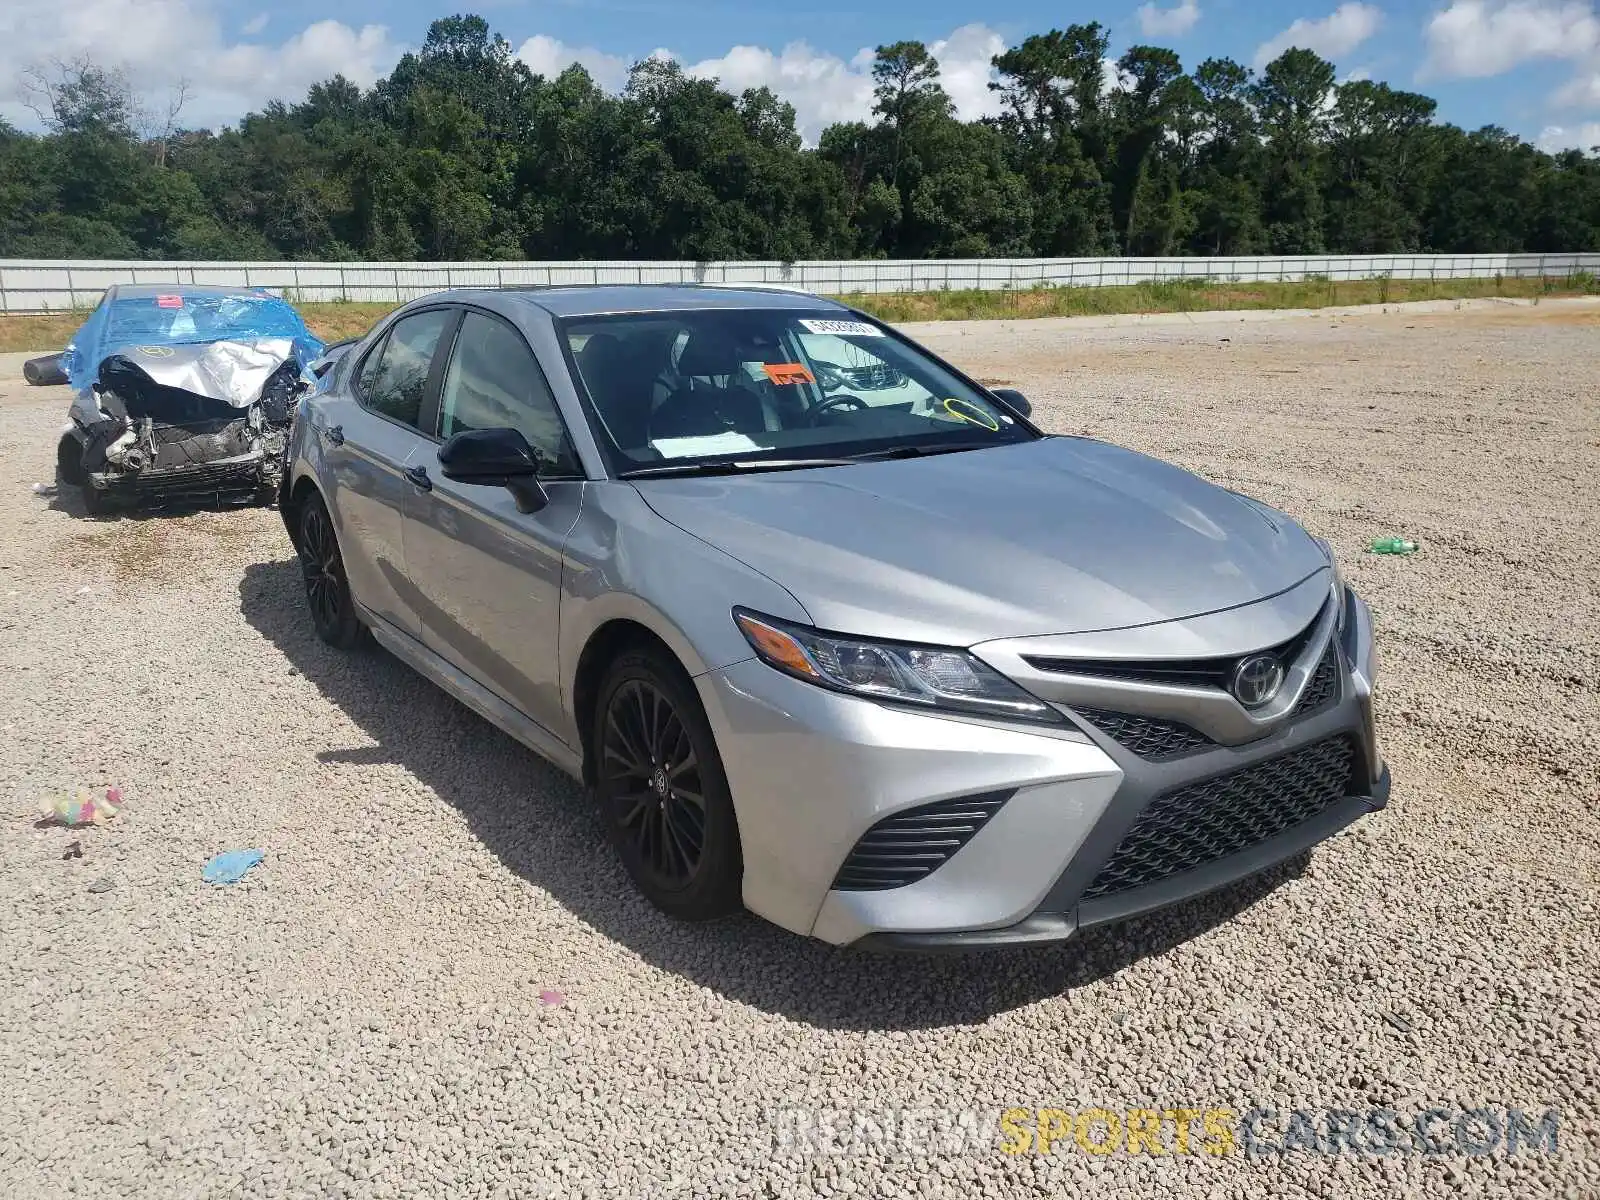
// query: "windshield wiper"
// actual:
[[735, 466], [922, 451]]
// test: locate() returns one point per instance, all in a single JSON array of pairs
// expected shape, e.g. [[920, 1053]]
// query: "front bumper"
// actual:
[[812, 771], [229, 481]]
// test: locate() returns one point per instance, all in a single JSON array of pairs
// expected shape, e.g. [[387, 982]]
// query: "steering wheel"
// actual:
[[853, 403]]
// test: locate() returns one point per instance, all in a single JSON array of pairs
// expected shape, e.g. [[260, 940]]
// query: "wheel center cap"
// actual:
[[658, 781]]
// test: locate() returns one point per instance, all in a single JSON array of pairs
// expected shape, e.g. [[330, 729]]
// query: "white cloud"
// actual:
[[1581, 91], [548, 57], [966, 69], [1340, 32], [1357, 75], [255, 24], [1473, 39], [1110, 76], [160, 42], [824, 88], [1168, 22], [1581, 137]]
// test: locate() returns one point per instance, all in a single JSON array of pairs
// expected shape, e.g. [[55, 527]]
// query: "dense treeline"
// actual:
[[462, 153]]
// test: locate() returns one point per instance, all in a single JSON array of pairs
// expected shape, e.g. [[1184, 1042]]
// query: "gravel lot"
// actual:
[[362, 1015]]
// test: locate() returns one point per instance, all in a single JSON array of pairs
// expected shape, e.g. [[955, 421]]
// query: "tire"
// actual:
[[328, 599], [662, 792], [69, 462], [45, 371]]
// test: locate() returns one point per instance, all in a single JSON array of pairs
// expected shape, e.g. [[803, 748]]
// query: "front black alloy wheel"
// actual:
[[333, 612], [662, 790]]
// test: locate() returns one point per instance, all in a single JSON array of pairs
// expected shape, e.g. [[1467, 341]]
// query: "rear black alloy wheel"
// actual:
[[333, 612], [662, 789]]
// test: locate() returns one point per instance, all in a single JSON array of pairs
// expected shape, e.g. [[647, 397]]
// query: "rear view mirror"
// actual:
[[1015, 399], [495, 457]]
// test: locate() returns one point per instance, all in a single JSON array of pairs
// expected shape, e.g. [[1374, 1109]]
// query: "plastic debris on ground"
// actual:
[[82, 809], [1391, 545], [43, 489], [551, 998], [230, 866]]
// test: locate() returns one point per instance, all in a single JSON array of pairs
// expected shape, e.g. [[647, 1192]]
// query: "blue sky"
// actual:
[[1532, 66]]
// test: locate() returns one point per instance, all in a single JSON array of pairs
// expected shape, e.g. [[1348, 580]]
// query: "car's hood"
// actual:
[[1063, 535]]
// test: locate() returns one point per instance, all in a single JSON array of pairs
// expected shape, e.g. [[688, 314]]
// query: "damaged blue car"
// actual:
[[184, 396]]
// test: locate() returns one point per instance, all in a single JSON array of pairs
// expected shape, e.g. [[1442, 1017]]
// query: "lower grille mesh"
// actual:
[[1148, 737], [1207, 821], [911, 844]]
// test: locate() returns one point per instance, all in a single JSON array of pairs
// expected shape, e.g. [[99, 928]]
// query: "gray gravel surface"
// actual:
[[362, 1016]]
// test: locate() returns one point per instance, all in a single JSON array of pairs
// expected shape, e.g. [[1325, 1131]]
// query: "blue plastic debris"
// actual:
[[230, 866], [149, 319]]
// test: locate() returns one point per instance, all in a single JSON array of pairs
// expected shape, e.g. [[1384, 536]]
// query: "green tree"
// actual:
[[1055, 123], [1292, 97]]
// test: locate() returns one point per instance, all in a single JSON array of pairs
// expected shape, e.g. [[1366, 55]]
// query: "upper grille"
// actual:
[[1193, 672], [1148, 737], [911, 844], [1323, 686], [1203, 822]]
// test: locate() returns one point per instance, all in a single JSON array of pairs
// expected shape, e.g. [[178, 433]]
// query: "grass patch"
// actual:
[[332, 321], [1196, 295]]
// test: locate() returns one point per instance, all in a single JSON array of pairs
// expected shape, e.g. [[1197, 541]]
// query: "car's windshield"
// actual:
[[753, 384]]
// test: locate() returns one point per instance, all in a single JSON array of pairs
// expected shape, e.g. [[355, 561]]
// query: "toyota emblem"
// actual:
[[1256, 679]]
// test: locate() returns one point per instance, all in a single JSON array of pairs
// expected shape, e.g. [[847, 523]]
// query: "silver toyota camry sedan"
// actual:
[[827, 629]]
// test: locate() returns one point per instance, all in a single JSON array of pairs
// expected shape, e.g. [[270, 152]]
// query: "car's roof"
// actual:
[[144, 291], [591, 300]]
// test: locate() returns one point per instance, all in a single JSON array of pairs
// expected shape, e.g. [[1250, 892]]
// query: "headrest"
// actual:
[[709, 352]]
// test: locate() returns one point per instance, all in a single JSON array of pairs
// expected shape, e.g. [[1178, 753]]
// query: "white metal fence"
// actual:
[[41, 286]]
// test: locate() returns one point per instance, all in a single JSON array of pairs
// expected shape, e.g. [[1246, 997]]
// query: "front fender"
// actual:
[[623, 562]]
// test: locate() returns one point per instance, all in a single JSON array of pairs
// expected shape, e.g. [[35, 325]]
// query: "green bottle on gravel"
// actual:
[[1391, 545]]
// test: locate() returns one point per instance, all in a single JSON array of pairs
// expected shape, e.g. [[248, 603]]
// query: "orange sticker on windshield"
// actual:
[[169, 301], [786, 373]]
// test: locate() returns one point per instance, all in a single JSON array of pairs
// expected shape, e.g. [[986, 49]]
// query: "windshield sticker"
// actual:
[[157, 351], [711, 443], [842, 328], [169, 301], [966, 410], [787, 373]]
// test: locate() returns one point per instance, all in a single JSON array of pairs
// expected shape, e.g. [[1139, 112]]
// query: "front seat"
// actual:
[[619, 381], [696, 409]]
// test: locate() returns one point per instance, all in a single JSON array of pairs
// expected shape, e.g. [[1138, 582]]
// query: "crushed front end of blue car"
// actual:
[[184, 397]]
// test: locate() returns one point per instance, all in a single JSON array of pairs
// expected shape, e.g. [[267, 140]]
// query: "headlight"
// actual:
[[935, 677]]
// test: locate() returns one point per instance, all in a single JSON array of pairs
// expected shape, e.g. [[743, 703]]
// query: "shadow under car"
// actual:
[[539, 824]]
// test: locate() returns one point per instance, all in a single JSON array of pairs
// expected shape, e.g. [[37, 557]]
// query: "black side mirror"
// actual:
[[495, 458], [1015, 399]]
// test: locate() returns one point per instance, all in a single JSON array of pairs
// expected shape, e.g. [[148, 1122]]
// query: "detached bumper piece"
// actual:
[[915, 842]]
